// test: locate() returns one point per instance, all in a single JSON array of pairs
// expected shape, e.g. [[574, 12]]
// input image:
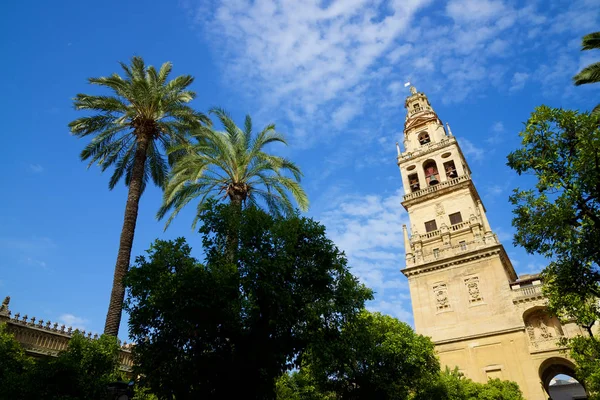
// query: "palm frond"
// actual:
[[234, 158], [591, 41], [142, 97], [590, 74]]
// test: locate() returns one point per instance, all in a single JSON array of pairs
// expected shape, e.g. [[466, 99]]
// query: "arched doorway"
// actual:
[[557, 376]]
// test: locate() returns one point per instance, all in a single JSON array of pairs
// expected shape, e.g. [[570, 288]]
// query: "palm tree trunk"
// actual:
[[117, 295], [233, 239]]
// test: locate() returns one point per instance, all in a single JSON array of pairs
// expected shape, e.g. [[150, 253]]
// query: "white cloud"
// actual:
[[35, 262], [470, 150], [474, 10], [497, 135], [518, 81], [73, 321], [314, 60], [36, 168], [369, 230]]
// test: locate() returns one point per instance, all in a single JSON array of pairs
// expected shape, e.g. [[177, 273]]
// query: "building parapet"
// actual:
[[40, 338]]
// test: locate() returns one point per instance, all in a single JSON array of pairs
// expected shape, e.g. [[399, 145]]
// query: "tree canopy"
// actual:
[[560, 217], [81, 372], [375, 357], [452, 385], [208, 329]]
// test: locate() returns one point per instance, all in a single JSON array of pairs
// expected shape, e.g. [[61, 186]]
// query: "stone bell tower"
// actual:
[[465, 293]]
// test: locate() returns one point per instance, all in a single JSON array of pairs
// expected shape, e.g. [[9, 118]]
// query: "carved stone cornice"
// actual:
[[472, 255]]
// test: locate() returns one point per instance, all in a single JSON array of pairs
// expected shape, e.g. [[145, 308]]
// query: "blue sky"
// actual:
[[330, 75]]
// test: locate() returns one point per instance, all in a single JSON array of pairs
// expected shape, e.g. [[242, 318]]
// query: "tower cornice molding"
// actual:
[[495, 249]]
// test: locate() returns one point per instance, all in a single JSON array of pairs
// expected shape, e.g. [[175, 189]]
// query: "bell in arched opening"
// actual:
[[431, 172]]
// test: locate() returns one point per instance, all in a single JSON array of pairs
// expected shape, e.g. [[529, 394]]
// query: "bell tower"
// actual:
[[458, 272]]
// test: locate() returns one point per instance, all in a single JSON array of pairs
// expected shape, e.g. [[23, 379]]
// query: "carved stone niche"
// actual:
[[542, 328], [474, 294], [442, 302]]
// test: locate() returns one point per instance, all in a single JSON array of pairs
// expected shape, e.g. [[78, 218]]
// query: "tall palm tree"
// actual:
[[144, 117], [233, 165], [591, 73]]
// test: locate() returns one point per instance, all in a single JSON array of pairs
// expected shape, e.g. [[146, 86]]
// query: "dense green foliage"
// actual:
[[144, 116], [376, 357], [560, 217], [452, 385], [300, 385], [586, 353], [82, 372], [233, 165], [14, 366], [207, 330], [591, 73]]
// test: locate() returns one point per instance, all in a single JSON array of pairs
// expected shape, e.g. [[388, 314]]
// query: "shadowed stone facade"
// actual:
[[465, 293]]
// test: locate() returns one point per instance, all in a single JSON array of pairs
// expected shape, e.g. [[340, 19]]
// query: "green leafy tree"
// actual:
[[560, 217], [82, 372], [145, 116], [586, 353], [452, 385], [207, 330], [300, 385], [15, 366], [233, 165], [591, 73], [375, 357]]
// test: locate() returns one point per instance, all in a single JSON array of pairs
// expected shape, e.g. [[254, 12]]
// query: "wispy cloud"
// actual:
[[496, 134], [518, 81], [471, 150], [369, 229], [73, 321], [36, 168], [326, 63]]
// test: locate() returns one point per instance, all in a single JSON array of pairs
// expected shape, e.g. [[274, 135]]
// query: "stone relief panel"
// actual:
[[473, 291], [440, 292], [543, 329]]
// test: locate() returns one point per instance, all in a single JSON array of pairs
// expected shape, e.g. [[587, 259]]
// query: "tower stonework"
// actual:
[[465, 293]]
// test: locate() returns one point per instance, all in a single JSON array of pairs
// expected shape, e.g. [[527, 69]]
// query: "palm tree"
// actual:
[[144, 116], [591, 73], [233, 165]]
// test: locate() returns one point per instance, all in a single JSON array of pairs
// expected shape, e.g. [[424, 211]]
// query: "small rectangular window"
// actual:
[[463, 245], [436, 253], [455, 218], [430, 226]]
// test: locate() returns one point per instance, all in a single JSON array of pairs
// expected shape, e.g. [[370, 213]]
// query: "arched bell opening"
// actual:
[[557, 376], [432, 176], [424, 138], [413, 181], [450, 170]]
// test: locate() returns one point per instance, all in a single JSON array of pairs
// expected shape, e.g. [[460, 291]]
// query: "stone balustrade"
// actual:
[[435, 188], [44, 338], [426, 148], [450, 251], [527, 293]]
